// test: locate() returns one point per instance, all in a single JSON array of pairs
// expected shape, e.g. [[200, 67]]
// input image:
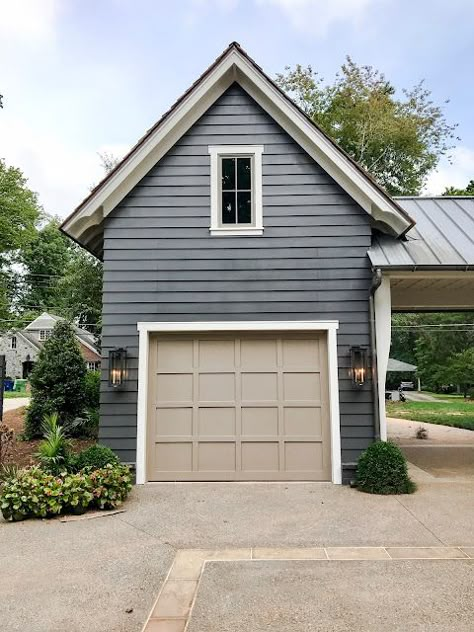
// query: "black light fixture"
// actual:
[[117, 367], [358, 366]]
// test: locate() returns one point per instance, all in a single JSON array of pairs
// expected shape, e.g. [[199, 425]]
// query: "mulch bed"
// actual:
[[24, 451]]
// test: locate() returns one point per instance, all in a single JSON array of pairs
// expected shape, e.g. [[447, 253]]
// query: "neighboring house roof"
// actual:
[[398, 365], [31, 340], [48, 321], [443, 236], [234, 65]]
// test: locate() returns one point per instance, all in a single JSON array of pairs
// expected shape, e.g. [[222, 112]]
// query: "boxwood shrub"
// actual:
[[94, 457], [382, 469], [34, 493]]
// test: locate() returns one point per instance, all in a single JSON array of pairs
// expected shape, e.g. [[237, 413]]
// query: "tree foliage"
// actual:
[[57, 380], [398, 139], [19, 211], [469, 190], [435, 350], [45, 259]]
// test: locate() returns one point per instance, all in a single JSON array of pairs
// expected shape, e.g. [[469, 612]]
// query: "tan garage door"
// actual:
[[238, 407]]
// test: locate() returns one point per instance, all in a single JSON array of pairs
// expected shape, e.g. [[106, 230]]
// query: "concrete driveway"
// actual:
[[11, 403], [105, 573]]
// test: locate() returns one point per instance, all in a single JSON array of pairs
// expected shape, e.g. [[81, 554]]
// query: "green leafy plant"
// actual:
[[111, 485], [55, 450], [382, 469], [92, 389], [57, 380], [85, 426], [95, 457], [34, 493], [8, 471], [76, 493], [31, 493]]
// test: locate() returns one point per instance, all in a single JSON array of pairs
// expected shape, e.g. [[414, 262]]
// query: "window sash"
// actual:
[[236, 190]]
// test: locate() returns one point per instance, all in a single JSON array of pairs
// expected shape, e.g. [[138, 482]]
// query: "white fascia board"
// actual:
[[235, 67], [231, 325], [153, 149], [319, 147]]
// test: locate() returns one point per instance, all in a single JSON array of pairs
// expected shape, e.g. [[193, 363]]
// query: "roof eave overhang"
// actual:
[[84, 225]]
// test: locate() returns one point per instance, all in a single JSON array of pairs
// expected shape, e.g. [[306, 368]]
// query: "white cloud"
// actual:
[[29, 21], [316, 16], [59, 171], [457, 174]]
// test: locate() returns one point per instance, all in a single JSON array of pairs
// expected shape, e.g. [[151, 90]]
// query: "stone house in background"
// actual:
[[22, 346]]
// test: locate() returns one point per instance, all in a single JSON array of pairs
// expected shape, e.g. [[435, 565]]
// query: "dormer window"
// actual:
[[236, 190], [44, 334]]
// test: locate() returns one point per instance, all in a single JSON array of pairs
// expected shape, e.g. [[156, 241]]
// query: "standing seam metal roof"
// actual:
[[442, 237]]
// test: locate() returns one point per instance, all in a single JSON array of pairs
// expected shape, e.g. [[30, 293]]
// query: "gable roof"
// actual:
[[48, 321], [443, 236], [84, 225]]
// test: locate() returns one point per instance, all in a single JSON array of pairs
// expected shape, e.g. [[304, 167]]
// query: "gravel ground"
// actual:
[[335, 596]]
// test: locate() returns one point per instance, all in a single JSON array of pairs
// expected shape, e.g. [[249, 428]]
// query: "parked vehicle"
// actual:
[[407, 386]]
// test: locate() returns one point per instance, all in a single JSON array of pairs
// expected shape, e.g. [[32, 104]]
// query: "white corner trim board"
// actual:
[[145, 329]]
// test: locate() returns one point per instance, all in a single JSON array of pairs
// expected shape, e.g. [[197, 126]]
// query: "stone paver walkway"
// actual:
[[174, 604]]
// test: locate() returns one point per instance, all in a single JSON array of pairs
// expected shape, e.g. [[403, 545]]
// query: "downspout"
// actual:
[[376, 283]]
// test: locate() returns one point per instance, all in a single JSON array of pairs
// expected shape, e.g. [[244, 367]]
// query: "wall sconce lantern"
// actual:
[[117, 367], [358, 366]]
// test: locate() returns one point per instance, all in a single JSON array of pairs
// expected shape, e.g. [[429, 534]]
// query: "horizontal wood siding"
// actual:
[[160, 263]]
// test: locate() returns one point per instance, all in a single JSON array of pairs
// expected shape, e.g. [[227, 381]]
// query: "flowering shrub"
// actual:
[[76, 493], [33, 493], [110, 485]]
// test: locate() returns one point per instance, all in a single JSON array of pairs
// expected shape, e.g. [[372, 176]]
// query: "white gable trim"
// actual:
[[234, 66]]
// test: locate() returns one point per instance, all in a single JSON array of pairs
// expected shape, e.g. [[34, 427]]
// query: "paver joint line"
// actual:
[[177, 595]]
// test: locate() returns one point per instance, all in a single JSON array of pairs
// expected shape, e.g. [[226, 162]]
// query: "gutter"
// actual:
[[376, 282]]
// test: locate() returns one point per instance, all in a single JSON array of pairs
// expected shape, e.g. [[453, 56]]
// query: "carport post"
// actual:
[[383, 334]]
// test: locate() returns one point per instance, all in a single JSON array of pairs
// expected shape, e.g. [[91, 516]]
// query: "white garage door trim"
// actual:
[[145, 329]]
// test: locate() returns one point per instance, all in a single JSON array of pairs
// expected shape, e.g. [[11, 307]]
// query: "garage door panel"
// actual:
[[174, 387], [301, 387], [216, 456], [238, 407], [174, 422], [302, 421], [301, 354], [260, 456], [216, 422], [174, 457], [216, 387], [261, 421], [216, 355], [258, 354], [303, 456], [259, 386], [174, 355]]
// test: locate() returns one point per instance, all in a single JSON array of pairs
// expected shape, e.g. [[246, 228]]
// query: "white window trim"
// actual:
[[145, 329], [255, 151]]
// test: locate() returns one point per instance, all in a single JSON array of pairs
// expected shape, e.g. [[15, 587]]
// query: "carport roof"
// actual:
[[443, 236]]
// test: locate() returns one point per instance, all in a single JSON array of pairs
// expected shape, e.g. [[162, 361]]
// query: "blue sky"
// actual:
[[87, 76]]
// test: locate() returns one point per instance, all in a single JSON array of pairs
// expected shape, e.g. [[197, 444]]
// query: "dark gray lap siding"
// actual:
[[161, 264]]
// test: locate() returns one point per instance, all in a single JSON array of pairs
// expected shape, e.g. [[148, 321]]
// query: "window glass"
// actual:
[[236, 194], [228, 174], [228, 207], [243, 173], [14, 342], [244, 207]]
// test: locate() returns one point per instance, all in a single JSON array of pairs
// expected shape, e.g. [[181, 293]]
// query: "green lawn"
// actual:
[[456, 412], [13, 394]]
